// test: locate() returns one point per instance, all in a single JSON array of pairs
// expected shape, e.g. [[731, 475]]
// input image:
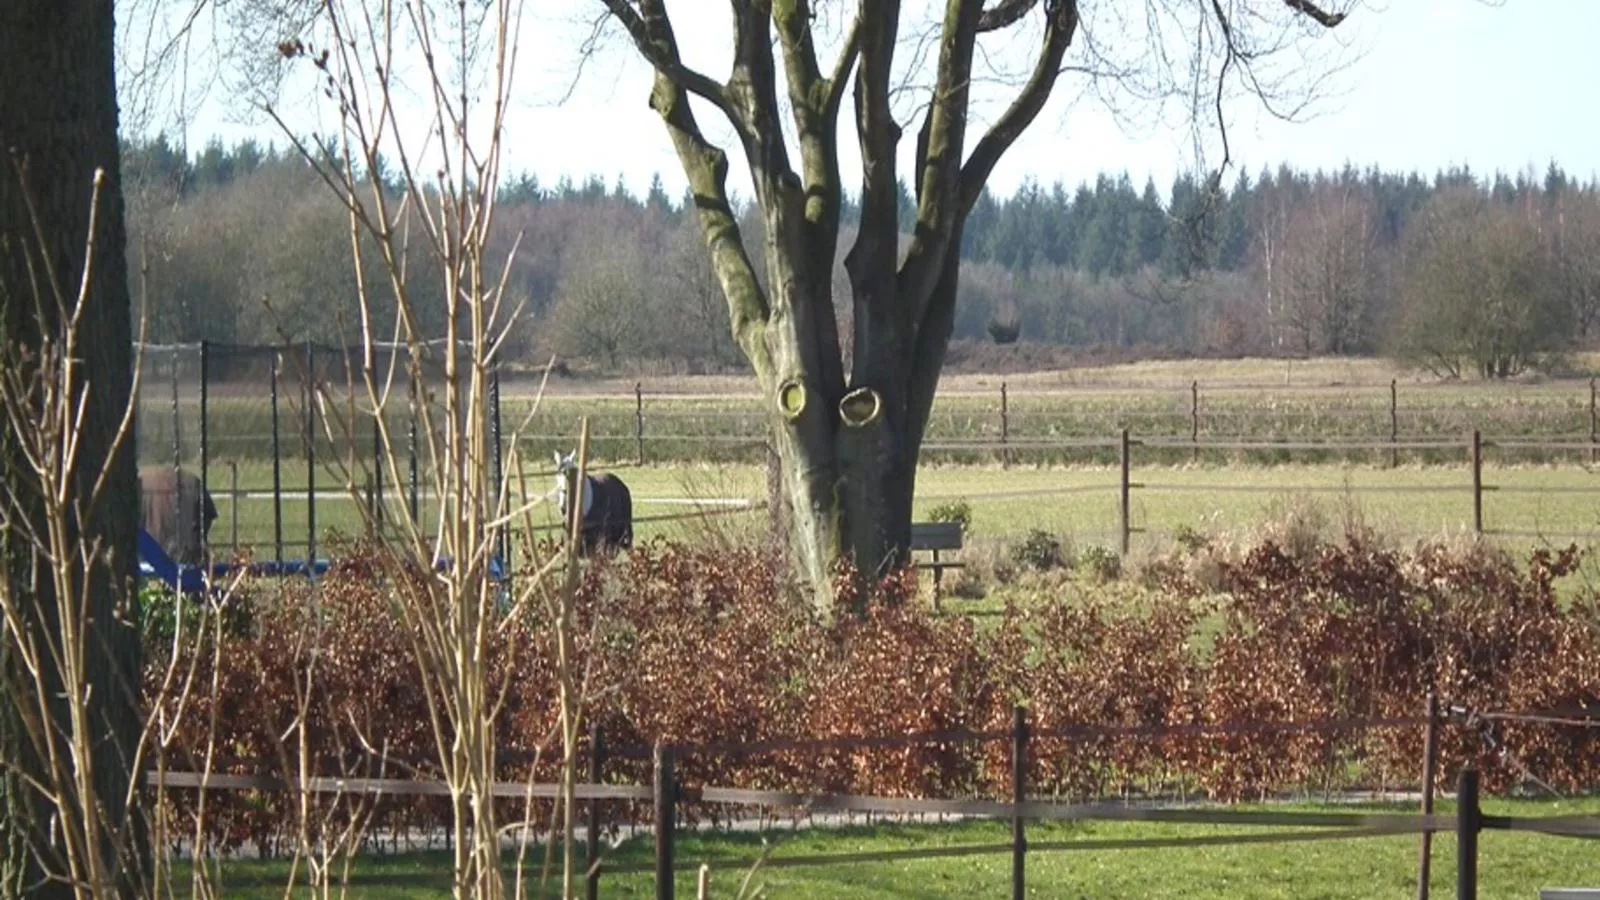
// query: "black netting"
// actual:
[[286, 472]]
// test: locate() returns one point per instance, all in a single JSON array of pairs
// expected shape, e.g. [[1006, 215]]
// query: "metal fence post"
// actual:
[[1123, 487], [377, 471], [277, 469], [177, 432], [500, 493], [1430, 755], [638, 422], [1019, 791], [311, 455], [205, 449], [411, 441], [1469, 819], [1477, 481], [233, 487], [591, 888], [666, 801]]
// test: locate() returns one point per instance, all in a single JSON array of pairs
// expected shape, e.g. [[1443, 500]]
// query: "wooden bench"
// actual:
[[935, 537]]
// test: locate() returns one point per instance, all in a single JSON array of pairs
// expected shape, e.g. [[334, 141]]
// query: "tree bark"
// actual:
[[849, 477], [58, 123]]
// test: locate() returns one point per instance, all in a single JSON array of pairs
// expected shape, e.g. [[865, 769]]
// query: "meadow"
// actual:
[[1523, 505], [1207, 450]]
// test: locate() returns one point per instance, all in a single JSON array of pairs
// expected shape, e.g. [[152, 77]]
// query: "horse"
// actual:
[[606, 505], [176, 510]]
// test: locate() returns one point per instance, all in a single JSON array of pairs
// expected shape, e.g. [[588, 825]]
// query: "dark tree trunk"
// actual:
[[58, 122]]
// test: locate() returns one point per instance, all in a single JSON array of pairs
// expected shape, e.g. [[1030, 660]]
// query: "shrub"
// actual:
[[1040, 551], [697, 646], [1004, 331], [958, 510], [1190, 538], [1100, 563]]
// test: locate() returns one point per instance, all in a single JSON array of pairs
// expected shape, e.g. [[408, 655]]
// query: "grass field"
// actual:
[[1530, 503], [703, 440], [1511, 865], [721, 418]]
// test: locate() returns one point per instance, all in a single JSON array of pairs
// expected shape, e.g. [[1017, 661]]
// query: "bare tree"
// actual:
[[70, 714], [603, 306], [849, 440], [1573, 234], [1325, 269], [1477, 295]]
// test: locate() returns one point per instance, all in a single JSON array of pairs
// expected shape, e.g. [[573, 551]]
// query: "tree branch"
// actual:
[[706, 167], [841, 71], [1005, 14], [652, 36], [815, 119], [873, 255], [1063, 24], [1316, 13], [753, 92], [941, 143]]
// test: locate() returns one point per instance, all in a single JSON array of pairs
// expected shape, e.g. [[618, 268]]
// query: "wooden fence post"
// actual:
[[1019, 792], [1394, 422], [1469, 819], [591, 881], [1594, 425], [1430, 755], [1005, 425], [666, 801], [1194, 419], [1126, 524], [1477, 481], [638, 421]]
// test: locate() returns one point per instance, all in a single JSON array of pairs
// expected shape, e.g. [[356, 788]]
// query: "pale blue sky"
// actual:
[[1437, 83]]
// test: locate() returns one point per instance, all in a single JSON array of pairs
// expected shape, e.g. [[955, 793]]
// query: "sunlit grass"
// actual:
[[1511, 865]]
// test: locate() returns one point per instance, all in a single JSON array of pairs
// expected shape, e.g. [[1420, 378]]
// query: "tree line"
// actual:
[[1458, 273]]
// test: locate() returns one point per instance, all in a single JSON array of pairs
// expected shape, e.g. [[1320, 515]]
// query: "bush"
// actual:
[[1040, 551], [695, 646], [1190, 538], [1100, 563], [1004, 332], [958, 510]]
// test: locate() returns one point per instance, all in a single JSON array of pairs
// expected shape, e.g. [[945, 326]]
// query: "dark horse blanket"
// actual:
[[176, 510], [607, 514]]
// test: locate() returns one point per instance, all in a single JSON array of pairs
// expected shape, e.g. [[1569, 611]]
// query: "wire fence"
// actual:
[[285, 471]]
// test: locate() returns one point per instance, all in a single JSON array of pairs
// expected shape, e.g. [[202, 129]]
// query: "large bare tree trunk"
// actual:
[[58, 123], [848, 450]]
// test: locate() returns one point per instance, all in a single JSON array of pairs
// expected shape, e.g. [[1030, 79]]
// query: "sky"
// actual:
[[1425, 85]]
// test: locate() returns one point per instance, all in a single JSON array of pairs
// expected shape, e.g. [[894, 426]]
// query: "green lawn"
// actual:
[[1511, 865]]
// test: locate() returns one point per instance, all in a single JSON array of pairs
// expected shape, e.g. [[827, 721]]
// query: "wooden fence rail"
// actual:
[[666, 793]]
